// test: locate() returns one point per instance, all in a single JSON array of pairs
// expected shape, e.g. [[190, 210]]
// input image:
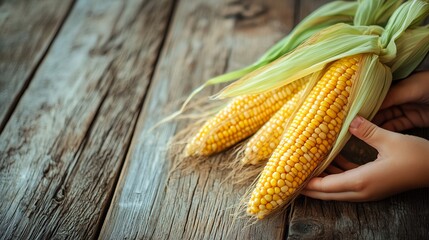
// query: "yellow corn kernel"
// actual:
[[262, 144], [299, 171], [243, 116]]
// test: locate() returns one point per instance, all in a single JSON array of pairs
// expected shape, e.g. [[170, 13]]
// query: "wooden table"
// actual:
[[81, 84]]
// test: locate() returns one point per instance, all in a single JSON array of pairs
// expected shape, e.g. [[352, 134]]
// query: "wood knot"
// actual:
[[60, 195], [305, 228], [243, 11]]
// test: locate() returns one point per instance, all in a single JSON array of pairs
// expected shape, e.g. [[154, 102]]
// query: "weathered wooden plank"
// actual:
[[405, 216], [27, 28], [305, 7], [63, 148], [205, 40]]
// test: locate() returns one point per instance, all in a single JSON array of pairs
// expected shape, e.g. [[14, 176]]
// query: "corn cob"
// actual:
[[239, 119], [308, 139], [264, 142]]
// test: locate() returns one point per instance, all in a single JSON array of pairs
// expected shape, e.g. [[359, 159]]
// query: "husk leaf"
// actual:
[[412, 47], [409, 14], [375, 12], [333, 43]]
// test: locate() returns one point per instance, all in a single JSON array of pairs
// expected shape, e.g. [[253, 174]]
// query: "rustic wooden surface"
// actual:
[[81, 84], [63, 147], [25, 37]]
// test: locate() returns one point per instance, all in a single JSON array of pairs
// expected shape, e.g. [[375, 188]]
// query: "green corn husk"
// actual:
[[412, 48], [376, 12], [333, 43]]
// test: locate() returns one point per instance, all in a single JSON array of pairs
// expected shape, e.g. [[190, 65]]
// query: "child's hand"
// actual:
[[403, 160], [402, 164], [406, 105]]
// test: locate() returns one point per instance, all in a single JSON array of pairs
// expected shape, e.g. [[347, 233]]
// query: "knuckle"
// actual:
[[369, 131], [359, 185]]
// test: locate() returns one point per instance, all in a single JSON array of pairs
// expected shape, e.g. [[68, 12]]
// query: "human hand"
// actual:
[[406, 105], [402, 164]]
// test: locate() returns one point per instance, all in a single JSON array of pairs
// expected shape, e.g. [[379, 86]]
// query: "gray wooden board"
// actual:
[[404, 216], [62, 149], [205, 39], [25, 35]]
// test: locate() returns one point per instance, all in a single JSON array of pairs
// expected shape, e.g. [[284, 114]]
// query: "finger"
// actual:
[[331, 183], [369, 133], [345, 164], [379, 118], [418, 114], [331, 169], [409, 90], [398, 124], [337, 196], [347, 181], [405, 117], [387, 114]]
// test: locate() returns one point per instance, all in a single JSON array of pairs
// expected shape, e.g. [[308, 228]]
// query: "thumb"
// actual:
[[369, 132]]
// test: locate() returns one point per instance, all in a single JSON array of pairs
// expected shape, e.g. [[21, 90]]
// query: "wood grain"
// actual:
[[206, 39], [404, 216], [62, 149], [25, 36]]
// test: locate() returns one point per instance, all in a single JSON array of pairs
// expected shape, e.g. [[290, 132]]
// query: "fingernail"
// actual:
[[356, 122]]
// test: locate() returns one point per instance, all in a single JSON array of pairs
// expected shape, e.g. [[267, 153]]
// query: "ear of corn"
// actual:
[[308, 139], [365, 100], [242, 117], [262, 144]]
